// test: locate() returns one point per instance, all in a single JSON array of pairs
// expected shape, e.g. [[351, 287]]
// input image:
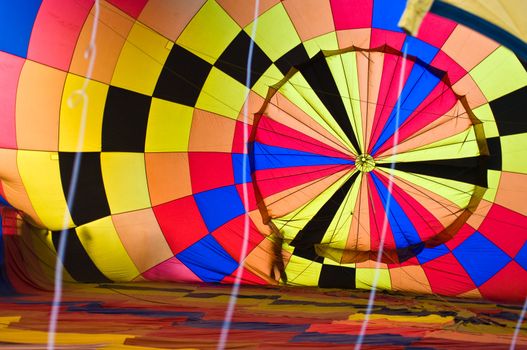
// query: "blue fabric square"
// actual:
[[219, 206], [208, 260], [480, 258], [428, 254], [4, 202], [386, 14], [420, 49], [237, 168], [521, 257], [17, 19]]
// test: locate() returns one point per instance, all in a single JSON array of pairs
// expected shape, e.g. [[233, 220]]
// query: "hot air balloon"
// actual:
[[362, 141]]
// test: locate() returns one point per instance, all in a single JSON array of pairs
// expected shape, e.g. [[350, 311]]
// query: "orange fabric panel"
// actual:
[[169, 18], [38, 107], [142, 238], [168, 176], [468, 88], [210, 132], [244, 15], [112, 31], [311, 18], [410, 278], [511, 192], [467, 47], [354, 37]]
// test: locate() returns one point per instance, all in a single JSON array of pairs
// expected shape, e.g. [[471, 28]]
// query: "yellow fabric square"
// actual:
[[104, 247], [513, 153], [364, 279], [484, 114], [271, 76], [499, 74], [493, 179], [124, 178], [324, 42], [275, 33], [40, 174], [71, 109], [168, 127], [209, 33], [141, 60], [222, 95], [302, 272]]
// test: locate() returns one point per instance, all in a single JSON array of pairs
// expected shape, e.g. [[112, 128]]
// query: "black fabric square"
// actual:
[[494, 161], [307, 252], [89, 200], [233, 61], [294, 57], [510, 112], [182, 77], [125, 120], [336, 277], [76, 260]]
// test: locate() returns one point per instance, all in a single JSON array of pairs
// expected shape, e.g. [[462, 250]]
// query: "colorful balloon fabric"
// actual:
[[360, 137]]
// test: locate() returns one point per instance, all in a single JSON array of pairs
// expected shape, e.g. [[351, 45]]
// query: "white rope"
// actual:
[[236, 286], [78, 96]]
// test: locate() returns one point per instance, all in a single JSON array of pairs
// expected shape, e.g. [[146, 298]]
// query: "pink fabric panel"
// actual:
[[349, 14], [56, 30], [10, 69], [445, 63], [435, 30], [171, 270], [381, 37]]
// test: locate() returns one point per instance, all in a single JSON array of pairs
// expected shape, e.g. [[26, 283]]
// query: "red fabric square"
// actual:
[[447, 276], [56, 30], [505, 228], [444, 62], [247, 278], [230, 236], [250, 193], [131, 7], [238, 139], [508, 285], [210, 170], [181, 223]]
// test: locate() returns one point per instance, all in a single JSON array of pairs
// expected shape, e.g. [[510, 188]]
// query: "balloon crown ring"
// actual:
[[365, 163]]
